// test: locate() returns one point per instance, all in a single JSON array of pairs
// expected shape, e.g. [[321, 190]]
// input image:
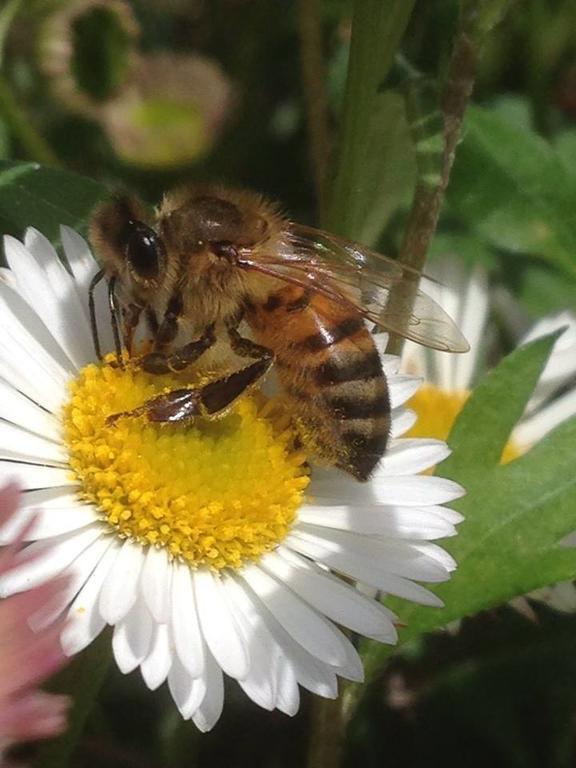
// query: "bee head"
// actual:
[[128, 246]]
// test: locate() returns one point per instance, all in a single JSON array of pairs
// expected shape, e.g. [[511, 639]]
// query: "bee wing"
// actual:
[[379, 288]]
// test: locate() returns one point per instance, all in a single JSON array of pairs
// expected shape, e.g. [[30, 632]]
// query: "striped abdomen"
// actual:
[[328, 364]]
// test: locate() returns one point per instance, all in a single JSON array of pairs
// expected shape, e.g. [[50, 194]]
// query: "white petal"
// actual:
[[449, 292], [119, 593], [411, 456], [207, 714], [155, 583], [156, 665], [31, 476], [401, 389], [60, 308], [50, 521], [260, 683], [84, 620], [20, 410], [401, 558], [79, 258], [311, 673], [415, 360], [8, 277], [84, 267], [304, 625], [331, 596], [472, 323], [357, 568], [398, 521], [222, 634], [561, 365], [18, 444], [50, 498], [410, 492], [42, 560], [185, 626], [403, 419], [132, 637], [314, 675], [78, 572], [287, 693], [21, 324], [534, 428], [186, 691], [433, 551]]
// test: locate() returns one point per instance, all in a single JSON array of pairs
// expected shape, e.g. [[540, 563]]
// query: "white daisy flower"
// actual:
[[448, 379], [209, 549]]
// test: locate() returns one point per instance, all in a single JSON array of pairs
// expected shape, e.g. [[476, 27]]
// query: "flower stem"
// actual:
[[314, 82], [33, 144], [477, 18], [326, 733]]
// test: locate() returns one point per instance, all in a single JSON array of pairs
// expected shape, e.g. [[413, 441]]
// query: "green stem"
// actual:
[[82, 680], [326, 733], [314, 81], [35, 147], [377, 29], [477, 18]]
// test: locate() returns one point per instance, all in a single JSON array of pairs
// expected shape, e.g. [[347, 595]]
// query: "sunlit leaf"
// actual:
[[513, 189], [374, 165]]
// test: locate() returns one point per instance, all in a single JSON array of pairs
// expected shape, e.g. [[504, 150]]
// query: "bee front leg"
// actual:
[[131, 316], [212, 399], [163, 362]]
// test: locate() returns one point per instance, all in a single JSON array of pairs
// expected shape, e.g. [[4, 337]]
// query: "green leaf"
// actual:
[[515, 514], [31, 195], [514, 190], [565, 145], [465, 247], [374, 170], [543, 290]]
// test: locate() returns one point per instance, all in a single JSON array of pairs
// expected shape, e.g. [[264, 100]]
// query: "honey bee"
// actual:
[[210, 259]]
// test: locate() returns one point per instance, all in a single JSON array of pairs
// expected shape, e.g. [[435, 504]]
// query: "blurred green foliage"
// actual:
[[504, 690]]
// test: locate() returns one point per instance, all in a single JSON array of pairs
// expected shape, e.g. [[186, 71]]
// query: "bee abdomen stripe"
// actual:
[[364, 452], [367, 366], [327, 337], [359, 408]]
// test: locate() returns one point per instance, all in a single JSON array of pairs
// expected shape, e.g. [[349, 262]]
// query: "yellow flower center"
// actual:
[[437, 410], [214, 493]]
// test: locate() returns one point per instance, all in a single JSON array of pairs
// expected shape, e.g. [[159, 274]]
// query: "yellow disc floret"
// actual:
[[437, 410], [215, 493]]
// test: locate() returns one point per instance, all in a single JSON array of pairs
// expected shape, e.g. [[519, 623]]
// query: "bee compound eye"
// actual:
[[143, 251]]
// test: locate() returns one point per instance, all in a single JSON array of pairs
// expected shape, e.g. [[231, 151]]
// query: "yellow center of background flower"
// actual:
[[437, 410], [214, 493]]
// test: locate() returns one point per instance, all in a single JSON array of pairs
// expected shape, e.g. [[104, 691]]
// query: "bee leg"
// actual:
[[248, 348], [161, 362], [212, 399], [131, 319]]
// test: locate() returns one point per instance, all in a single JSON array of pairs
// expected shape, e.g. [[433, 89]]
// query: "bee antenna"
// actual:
[[115, 319], [92, 308]]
